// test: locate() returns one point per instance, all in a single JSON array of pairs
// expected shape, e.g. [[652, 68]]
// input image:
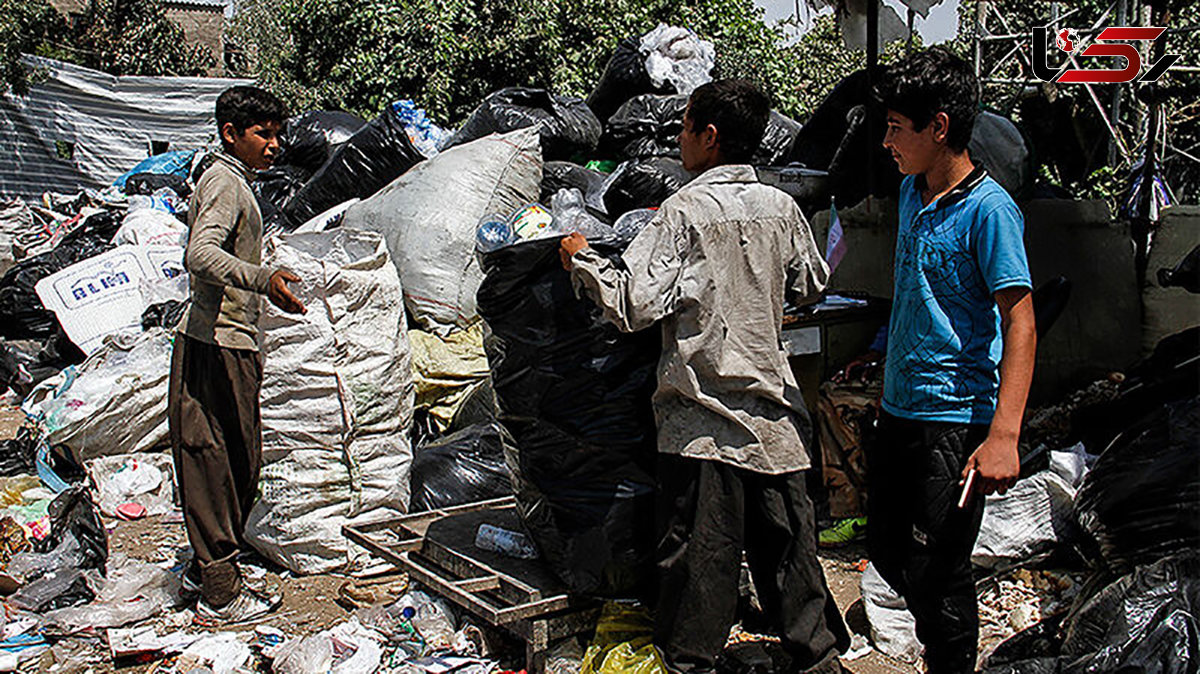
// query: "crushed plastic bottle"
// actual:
[[427, 137], [494, 232], [433, 625], [511, 543]]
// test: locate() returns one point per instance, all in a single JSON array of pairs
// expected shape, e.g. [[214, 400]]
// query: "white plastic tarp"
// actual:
[[83, 128]]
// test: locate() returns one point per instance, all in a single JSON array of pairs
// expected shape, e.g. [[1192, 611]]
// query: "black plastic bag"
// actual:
[[465, 466], [777, 140], [376, 155], [273, 188], [574, 394], [643, 183], [18, 455], [566, 125], [307, 141], [561, 175], [646, 126], [149, 183], [164, 314], [74, 512], [61, 589], [22, 315], [1141, 501], [624, 77]]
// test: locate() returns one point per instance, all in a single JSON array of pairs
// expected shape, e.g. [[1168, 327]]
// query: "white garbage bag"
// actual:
[[337, 401], [115, 402], [429, 216], [151, 227], [145, 479], [676, 55], [893, 628], [1032, 517]]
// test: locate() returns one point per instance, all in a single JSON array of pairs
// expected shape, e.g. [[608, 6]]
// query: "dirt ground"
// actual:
[[310, 602]]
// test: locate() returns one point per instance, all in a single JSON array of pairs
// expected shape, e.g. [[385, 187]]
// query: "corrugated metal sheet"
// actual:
[[111, 123]]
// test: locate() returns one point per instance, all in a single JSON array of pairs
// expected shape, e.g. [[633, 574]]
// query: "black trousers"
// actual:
[[708, 513], [216, 439], [917, 536]]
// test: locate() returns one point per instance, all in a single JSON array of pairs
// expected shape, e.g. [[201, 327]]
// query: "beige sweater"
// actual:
[[224, 255]]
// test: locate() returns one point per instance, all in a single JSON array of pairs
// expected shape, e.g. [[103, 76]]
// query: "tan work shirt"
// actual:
[[223, 257], [713, 266]]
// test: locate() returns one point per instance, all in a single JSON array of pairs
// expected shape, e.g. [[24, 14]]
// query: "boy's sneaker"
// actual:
[[843, 532], [248, 605], [190, 585]]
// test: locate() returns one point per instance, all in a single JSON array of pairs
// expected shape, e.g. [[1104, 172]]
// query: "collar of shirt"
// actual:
[[956, 193], [237, 165], [726, 173]]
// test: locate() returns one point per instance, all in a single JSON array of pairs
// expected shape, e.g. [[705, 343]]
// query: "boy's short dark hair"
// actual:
[[739, 111], [929, 82], [245, 106]]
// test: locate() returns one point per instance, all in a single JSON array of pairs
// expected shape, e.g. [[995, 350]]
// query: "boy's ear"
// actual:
[[712, 137], [228, 133], [941, 126]]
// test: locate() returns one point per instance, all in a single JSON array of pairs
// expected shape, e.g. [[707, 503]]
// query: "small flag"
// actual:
[[835, 244]]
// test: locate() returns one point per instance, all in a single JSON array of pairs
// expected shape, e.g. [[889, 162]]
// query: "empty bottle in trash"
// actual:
[[511, 543], [434, 626], [493, 233]]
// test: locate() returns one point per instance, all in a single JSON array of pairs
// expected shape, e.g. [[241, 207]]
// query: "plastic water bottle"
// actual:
[[434, 626], [493, 233], [511, 543]]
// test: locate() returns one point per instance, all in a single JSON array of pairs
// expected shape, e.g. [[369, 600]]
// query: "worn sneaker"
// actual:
[[843, 532], [190, 585], [248, 605]]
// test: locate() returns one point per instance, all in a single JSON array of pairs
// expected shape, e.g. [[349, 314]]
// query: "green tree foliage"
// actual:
[[447, 55], [120, 37]]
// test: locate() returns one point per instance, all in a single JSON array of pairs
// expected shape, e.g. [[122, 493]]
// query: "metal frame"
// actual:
[[504, 601]]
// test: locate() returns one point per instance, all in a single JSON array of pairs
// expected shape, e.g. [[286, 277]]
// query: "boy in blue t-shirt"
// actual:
[[961, 346]]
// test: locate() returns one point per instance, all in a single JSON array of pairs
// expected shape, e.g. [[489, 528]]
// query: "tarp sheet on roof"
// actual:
[[83, 128]]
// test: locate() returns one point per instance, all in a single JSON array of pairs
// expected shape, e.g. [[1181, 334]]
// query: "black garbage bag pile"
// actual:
[[464, 466], [646, 126], [374, 156], [561, 175], [22, 315], [624, 77], [1142, 622], [566, 125], [1141, 501], [574, 394]]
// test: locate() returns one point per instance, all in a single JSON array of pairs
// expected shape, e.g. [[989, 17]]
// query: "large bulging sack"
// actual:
[[428, 217], [567, 126], [574, 394], [337, 400], [466, 466], [370, 159]]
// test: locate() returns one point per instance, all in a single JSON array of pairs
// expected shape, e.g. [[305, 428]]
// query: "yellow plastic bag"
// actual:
[[622, 644], [446, 370]]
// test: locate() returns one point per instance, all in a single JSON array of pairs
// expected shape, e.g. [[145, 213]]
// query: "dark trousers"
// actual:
[[708, 513], [917, 536], [216, 439]]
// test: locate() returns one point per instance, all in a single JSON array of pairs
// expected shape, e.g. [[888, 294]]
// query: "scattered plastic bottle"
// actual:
[[511, 543], [493, 233], [427, 137]]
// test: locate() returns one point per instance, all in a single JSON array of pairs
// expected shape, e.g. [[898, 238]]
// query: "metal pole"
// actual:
[[981, 10], [1115, 114], [872, 108]]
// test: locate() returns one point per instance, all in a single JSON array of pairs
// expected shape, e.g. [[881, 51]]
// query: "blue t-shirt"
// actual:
[[944, 338]]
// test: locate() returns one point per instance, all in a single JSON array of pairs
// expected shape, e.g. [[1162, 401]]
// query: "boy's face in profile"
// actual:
[[256, 146], [698, 150], [914, 151]]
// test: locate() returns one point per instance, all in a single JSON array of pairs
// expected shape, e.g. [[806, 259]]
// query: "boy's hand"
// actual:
[[998, 464], [281, 296], [570, 245]]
